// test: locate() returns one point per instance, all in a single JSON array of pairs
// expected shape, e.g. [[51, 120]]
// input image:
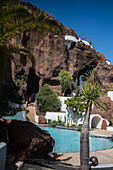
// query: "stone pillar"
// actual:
[[104, 125]]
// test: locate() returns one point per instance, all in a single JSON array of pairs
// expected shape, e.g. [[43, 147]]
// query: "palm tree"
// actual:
[[16, 19], [91, 93]]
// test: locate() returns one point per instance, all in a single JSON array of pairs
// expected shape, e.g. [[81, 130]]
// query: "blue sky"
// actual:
[[91, 18]]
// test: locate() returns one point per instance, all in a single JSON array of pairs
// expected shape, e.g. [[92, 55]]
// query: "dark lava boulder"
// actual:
[[25, 139]]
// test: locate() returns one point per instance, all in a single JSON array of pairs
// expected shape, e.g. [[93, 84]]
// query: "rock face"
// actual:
[[103, 68], [108, 113], [52, 55], [25, 139]]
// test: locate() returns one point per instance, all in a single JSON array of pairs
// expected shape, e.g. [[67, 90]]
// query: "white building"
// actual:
[[69, 40], [95, 119], [62, 114], [108, 62]]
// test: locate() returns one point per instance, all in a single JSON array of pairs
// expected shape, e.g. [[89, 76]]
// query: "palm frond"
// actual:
[[5, 2], [91, 91], [24, 51], [17, 19], [11, 57], [100, 104], [9, 13], [13, 29], [86, 75], [42, 16]]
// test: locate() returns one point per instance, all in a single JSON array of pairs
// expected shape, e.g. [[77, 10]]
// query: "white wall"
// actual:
[[80, 121], [110, 128], [70, 38], [63, 105], [110, 94], [36, 117], [54, 116], [108, 62]]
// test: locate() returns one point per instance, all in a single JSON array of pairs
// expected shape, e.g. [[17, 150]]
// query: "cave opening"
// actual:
[[55, 73], [111, 79], [78, 77], [32, 83], [51, 82]]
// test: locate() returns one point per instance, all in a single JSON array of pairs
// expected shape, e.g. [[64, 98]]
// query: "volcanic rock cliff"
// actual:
[[52, 55]]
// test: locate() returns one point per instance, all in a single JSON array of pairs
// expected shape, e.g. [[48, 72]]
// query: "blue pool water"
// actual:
[[69, 141]]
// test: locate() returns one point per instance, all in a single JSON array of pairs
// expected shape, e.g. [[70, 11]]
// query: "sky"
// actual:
[[91, 18]]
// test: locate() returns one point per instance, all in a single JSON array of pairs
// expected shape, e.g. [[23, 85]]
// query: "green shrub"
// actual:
[[65, 119], [63, 123], [59, 122], [37, 113], [110, 123], [49, 121], [79, 127], [68, 121], [73, 125], [48, 99], [58, 117], [66, 80], [53, 123], [26, 111]]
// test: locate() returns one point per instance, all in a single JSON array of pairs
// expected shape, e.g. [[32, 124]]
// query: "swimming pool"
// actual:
[[69, 141]]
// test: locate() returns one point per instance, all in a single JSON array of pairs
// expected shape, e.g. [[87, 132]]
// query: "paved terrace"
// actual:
[[101, 132], [67, 161], [104, 157]]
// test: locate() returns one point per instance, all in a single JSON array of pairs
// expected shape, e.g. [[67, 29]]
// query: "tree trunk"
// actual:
[[63, 93], [84, 140]]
